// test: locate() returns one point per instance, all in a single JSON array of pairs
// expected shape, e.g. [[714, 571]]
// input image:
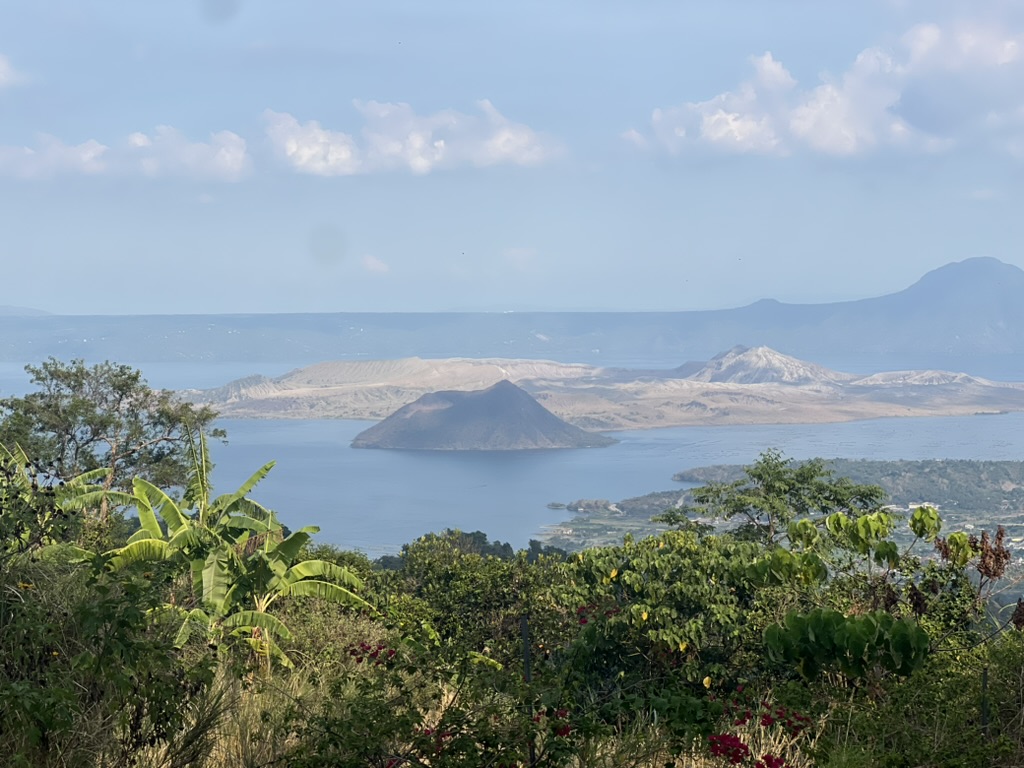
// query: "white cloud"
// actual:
[[169, 153], [770, 74], [633, 136], [744, 133], [164, 153], [52, 157], [374, 265], [498, 140], [938, 86], [394, 137], [310, 148], [961, 46], [738, 121], [8, 75], [854, 114]]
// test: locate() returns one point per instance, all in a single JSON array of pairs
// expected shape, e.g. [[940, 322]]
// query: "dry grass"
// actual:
[[236, 725]]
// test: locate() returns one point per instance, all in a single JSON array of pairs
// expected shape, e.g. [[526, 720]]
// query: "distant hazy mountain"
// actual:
[[964, 309], [500, 418], [8, 311], [965, 316]]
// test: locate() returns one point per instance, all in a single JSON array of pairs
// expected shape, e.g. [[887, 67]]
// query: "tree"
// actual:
[[470, 595], [84, 418], [776, 493], [31, 511]]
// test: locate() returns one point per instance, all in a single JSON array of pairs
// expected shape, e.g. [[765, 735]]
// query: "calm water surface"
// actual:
[[377, 500]]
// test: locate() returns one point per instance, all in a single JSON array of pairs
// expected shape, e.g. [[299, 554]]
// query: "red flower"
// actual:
[[730, 747]]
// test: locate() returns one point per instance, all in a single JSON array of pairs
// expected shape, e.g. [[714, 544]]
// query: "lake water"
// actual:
[[378, 500]]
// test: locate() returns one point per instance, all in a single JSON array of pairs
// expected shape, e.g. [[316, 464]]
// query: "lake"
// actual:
[[377, 500]]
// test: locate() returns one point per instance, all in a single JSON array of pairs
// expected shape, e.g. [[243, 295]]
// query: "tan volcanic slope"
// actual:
[[742, 386]]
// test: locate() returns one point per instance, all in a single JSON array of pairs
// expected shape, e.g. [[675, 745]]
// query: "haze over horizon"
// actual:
[[229, 156], [972, 280]]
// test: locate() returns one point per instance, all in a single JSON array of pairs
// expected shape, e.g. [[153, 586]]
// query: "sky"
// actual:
[[209, 156]]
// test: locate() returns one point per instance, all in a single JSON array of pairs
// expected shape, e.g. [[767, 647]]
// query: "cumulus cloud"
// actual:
[[854, 113], [167, 152], [938, 86], [310, 148], [740, 121], [374, 265], [394, 137], [8, 74], [633, 136], [50, 157], [960, 46]]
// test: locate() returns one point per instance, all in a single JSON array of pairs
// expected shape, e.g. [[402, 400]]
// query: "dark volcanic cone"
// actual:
[[500, 418]]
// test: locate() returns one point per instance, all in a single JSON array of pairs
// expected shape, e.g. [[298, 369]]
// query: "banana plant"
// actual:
[[241, 605], [236, 552], [32, 516]]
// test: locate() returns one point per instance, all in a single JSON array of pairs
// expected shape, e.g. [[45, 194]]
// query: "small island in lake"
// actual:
[[502, 417]]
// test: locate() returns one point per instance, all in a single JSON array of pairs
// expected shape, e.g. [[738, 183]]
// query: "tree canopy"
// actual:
[[81, 418]]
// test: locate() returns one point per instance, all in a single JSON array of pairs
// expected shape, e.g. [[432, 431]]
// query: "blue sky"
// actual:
[[242, 156]]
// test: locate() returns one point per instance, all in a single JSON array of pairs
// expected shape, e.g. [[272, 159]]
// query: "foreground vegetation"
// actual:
[[207, 634]]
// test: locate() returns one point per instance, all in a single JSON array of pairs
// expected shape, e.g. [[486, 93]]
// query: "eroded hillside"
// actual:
[[741, 386]]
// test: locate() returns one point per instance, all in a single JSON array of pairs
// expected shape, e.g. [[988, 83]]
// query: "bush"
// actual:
[[86, 674]]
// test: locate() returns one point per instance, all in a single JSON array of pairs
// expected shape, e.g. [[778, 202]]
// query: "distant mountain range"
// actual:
[[500, 418], [7, 311], [741, 386], [964, 316]]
